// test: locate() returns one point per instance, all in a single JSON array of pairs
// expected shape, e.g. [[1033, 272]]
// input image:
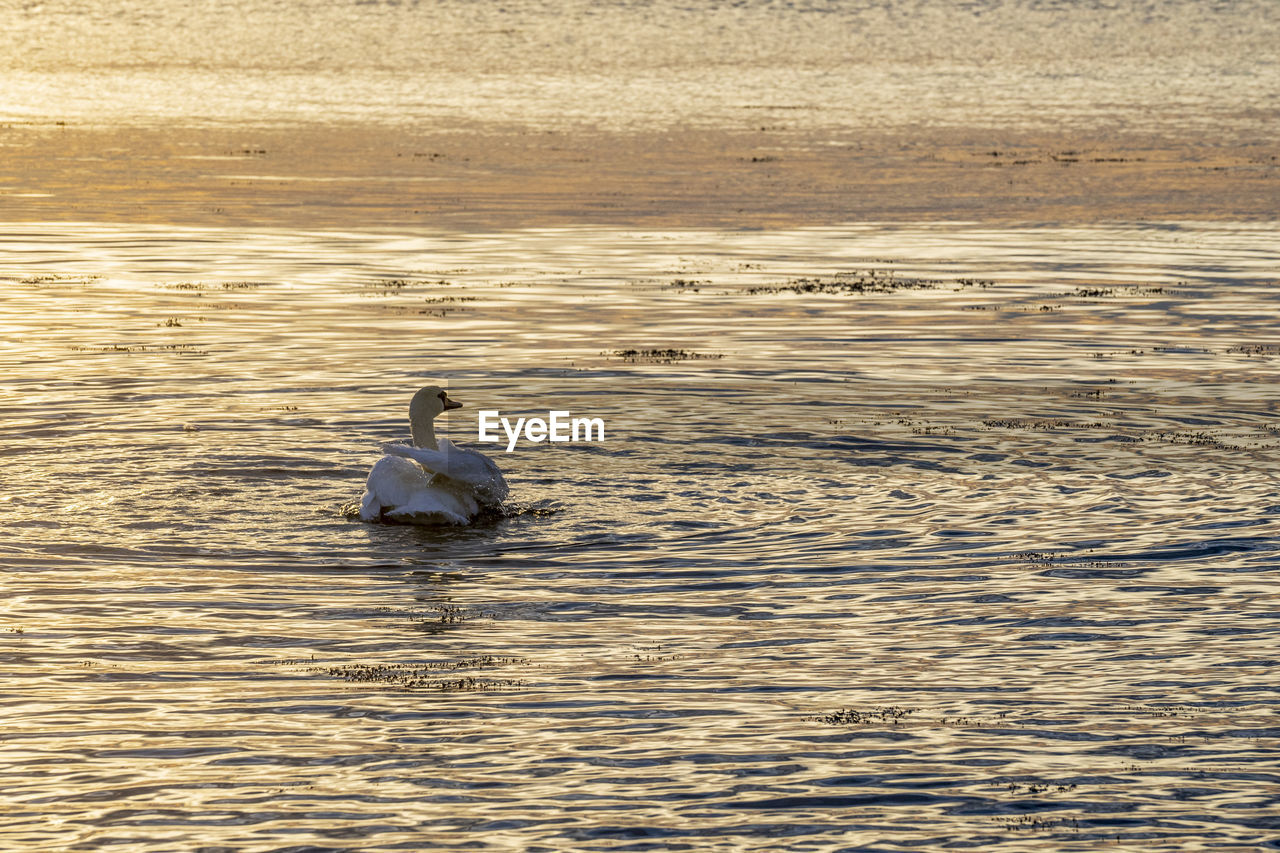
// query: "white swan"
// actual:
[[431, 481]]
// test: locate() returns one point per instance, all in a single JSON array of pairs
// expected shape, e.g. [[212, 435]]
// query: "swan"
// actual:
[[431, 481]]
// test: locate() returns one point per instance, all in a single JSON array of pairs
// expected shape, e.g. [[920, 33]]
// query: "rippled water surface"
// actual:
[[1176, 66], [900, 537]]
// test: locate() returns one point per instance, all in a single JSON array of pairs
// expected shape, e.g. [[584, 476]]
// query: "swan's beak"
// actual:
[[451, 404]]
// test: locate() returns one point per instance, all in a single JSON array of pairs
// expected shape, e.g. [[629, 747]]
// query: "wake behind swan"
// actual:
[[431, 480]]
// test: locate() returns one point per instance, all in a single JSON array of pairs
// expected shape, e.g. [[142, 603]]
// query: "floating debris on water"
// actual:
[[427, 676], [854, 716], [1027, 423], [873, 281], [1096, 292], [182, 349], [660, 356]]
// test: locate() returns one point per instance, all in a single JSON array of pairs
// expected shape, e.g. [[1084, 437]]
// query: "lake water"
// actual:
[[938, 506], [969, 543], [1120, 66]]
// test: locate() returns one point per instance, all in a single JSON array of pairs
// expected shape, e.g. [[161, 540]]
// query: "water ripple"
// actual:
[[898, 569]]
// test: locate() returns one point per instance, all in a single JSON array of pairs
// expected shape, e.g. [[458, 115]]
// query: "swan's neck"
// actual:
[[424, 433]]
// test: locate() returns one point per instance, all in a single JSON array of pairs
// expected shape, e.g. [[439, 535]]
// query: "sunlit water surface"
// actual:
[[1176, 67], [1006, 499]]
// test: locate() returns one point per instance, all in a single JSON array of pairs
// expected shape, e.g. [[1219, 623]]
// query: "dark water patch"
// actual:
[[850, 801], [1195, 550], [1079, 637]]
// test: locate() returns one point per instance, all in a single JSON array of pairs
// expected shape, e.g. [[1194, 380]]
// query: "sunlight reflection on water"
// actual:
[[1175, 66], [1007, 493]]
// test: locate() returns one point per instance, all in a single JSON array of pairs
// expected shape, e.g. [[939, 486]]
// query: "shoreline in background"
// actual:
[[484, 178]]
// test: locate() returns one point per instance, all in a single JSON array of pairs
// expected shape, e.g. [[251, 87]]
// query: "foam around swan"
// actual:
[[431, 481]]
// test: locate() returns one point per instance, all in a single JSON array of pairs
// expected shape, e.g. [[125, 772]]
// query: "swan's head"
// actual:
[[429, 402], [424, 407]]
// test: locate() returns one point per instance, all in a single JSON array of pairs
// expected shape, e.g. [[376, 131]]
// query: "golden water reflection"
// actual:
[[1005, 495]]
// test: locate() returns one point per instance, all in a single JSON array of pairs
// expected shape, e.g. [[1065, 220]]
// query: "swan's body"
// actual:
[[431, 481]]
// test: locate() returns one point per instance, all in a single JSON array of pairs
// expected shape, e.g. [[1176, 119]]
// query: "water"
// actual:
[[936, 351], [1123, 67], [970, 547]]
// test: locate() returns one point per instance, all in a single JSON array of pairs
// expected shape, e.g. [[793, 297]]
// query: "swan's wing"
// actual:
[[437, 504], [468, 468], [393, 482], [432, 460], [399, 489], [482, 473]]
